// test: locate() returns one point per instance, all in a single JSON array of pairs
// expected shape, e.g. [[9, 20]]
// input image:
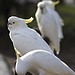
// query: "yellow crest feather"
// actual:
[[57, 2], [29, 20]]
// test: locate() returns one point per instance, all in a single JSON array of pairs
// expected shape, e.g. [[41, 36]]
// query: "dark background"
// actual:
[[26, 10]]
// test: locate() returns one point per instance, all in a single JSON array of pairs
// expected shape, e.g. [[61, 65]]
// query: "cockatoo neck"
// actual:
[[48, 9]]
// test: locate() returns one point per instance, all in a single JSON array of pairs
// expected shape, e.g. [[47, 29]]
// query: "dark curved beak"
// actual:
[[41, 9], [9, 23]]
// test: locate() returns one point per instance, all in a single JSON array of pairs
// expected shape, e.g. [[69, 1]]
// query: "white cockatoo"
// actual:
[[58, 19], [41, 62], [24, 38], [49, 23]]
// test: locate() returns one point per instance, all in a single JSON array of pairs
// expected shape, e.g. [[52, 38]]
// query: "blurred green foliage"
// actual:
[[68, 14]]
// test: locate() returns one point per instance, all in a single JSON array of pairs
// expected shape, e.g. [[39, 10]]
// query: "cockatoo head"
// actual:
[[49, 3], [14, 22]]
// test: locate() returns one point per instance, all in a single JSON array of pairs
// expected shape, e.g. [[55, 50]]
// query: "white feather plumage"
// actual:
[[41, 62]]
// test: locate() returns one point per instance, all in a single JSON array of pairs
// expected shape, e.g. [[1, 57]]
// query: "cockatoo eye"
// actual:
[[13, 22]]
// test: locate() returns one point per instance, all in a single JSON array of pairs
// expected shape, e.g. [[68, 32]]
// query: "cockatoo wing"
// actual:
[[57, 17], [51, 64], [27, 39], [59, 23]]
